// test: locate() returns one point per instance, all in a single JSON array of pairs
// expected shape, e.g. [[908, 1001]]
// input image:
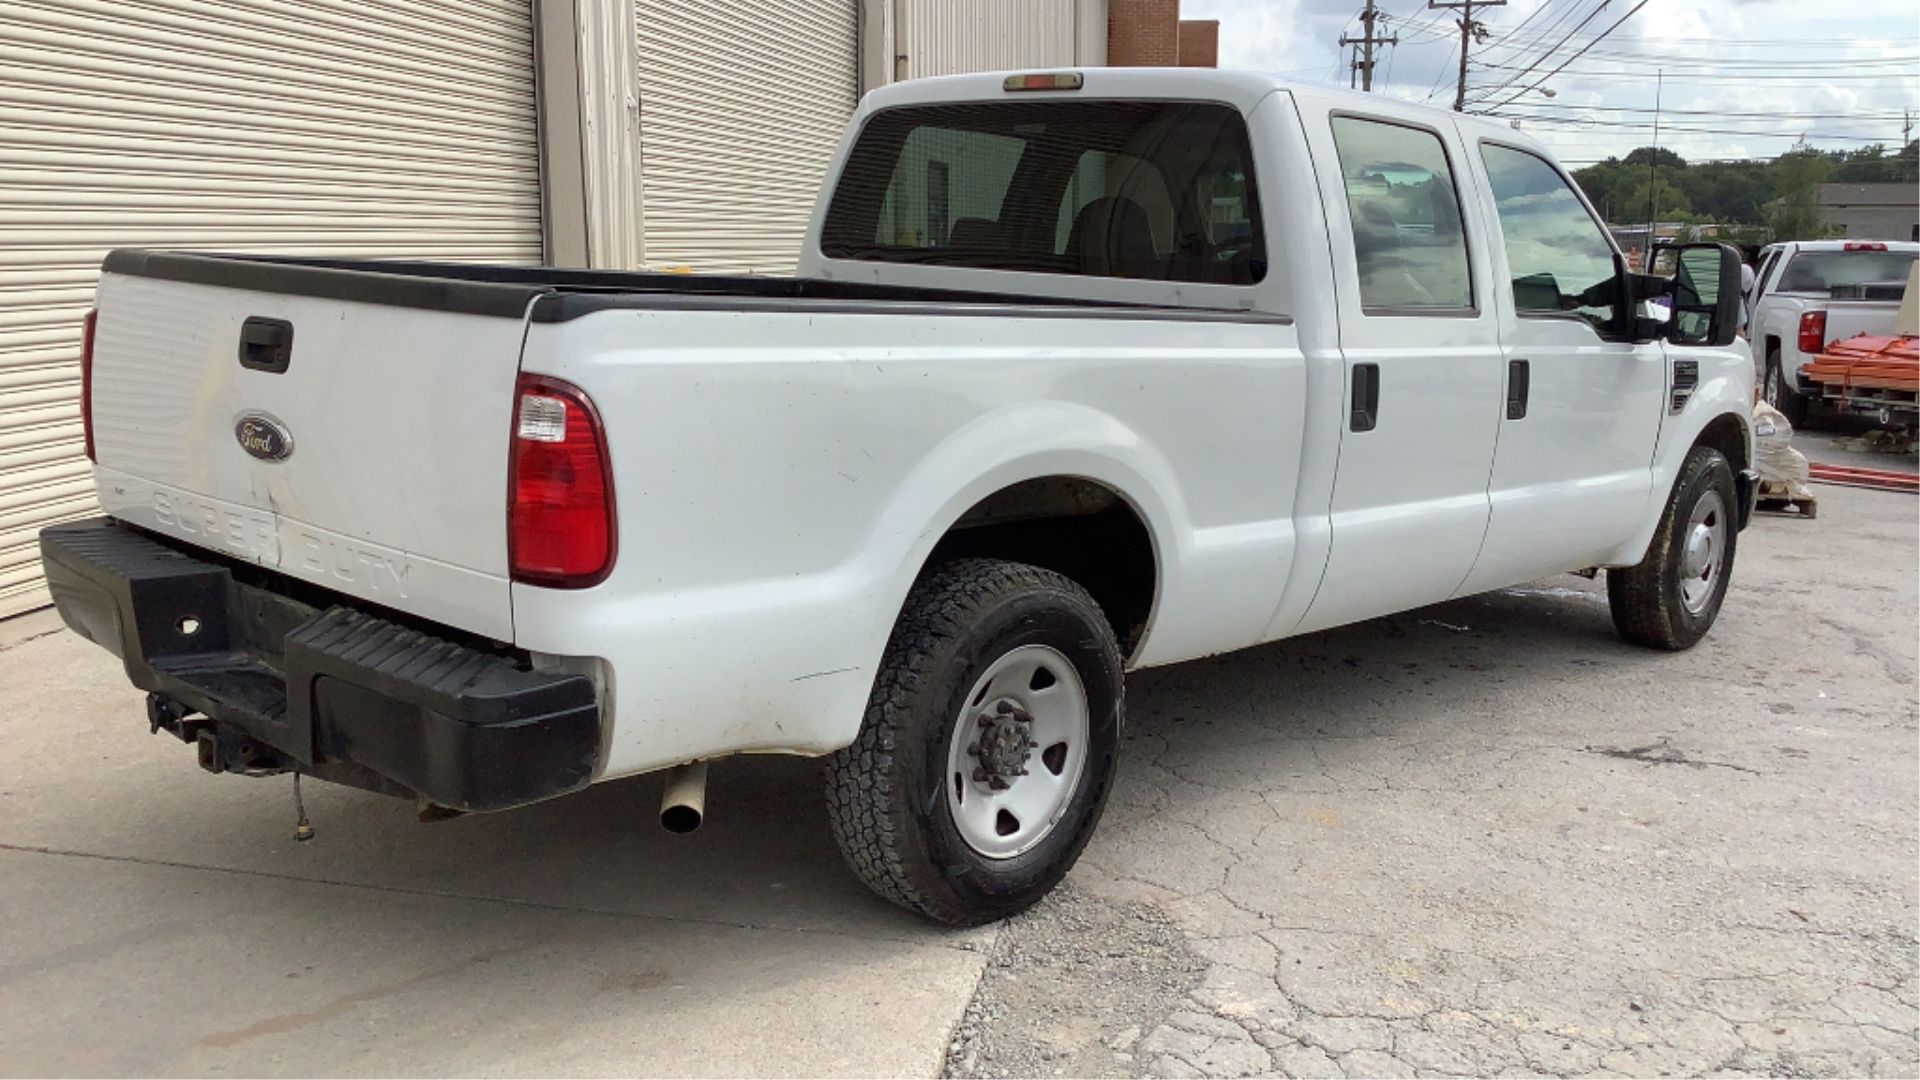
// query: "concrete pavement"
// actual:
[[161, 921], [1484, 837], [1489, 838]]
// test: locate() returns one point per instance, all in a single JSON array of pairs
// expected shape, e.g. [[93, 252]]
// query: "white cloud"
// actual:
[[1720, 67]]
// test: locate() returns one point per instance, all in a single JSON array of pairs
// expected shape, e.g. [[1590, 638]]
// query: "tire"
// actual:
[[897, 800], [1671, 598], [1780, 394]]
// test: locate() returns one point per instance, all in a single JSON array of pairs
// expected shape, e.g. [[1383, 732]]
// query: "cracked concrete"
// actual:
[[1447, 843]]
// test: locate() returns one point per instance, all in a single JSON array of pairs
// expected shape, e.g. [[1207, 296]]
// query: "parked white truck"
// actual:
[[1082, 372], [1810, 293]]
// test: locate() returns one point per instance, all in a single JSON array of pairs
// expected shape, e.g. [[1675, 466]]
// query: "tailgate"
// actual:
[[1851, 318], [372, 461]]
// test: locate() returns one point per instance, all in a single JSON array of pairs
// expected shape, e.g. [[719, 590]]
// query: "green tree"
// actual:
[[1666, 203], [1795, 212]]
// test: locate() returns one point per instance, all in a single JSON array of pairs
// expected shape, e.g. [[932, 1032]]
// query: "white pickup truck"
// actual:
[[1082, 372], [1810, 293]]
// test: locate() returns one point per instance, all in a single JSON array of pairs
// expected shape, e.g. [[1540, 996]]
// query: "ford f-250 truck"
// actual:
[[1082, 372]]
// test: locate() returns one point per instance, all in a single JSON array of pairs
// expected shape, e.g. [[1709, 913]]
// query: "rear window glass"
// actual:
[[1821, 271], [1146, 190]]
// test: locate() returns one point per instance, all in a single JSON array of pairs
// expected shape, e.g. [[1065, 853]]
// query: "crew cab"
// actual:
[[1081, 373], [1810, 293]]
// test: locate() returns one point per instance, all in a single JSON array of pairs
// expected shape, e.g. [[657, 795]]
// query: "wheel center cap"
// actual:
[[1699, 551], [1006, 740]]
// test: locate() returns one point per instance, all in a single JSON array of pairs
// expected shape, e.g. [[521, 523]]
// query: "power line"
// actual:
[[1556, 46], [1718, 65], [1623, 126], [1440, 79], [1521, 43], [1531, 15], [1536, 84], [1697, 76], [1718, 113]]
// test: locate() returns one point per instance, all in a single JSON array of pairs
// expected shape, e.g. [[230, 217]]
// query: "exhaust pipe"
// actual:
[[684, 802]]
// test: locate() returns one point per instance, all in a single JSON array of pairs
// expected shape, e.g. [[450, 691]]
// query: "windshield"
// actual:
[[1160, 191], [1821, 271]]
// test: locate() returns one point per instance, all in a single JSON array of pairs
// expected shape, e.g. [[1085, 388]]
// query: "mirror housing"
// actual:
[[1703, 293]]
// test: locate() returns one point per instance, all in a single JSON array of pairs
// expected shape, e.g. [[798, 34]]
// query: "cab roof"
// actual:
[[1242, 89]]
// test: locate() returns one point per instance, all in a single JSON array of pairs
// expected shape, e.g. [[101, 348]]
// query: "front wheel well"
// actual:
[[1073, 526], [1727, 434]]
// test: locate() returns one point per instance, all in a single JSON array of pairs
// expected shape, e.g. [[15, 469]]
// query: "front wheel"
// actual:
[[988, 747], [1671, 598]]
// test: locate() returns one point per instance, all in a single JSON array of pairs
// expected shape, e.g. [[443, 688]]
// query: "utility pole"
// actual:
[[1471, 32], [1364, 45], [1653, 167]]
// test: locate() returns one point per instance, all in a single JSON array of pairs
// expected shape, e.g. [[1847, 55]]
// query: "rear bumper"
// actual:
[[334, 692]]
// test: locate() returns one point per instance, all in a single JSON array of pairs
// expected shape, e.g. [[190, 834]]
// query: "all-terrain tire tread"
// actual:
[[864, 810], [1638, 596]]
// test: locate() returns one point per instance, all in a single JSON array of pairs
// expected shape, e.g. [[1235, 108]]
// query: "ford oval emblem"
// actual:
[[263, 436]]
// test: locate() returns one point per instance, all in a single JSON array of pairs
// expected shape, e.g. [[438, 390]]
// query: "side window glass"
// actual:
[[1766, 270], [1408, 239], [1560, 259]]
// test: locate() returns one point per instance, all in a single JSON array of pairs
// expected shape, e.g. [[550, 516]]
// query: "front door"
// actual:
[[1422, 372], [1573, 474]]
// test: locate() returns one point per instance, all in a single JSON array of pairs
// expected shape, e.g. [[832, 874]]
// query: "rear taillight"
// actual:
[[560, 524], [1813, 332], [1863, 247], [86, 380]]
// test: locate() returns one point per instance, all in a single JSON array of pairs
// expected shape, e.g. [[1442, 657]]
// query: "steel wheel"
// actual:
[[1017, 751], [1705, 544]]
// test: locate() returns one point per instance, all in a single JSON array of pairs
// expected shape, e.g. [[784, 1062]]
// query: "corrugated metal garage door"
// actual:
[[741, 103], [947, 37], [341, 127]]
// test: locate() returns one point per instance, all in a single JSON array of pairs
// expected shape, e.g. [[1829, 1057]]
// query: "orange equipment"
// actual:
[[1871, 374]]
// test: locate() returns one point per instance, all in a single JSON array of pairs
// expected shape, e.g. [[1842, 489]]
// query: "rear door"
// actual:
[[1422, 369], [1574, 469], [356, 444]]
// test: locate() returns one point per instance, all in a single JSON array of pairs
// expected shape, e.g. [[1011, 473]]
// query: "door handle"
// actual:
[[1366, 397], [266, 344], [1518, 375]]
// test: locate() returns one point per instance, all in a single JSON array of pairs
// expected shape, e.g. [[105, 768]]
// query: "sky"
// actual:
[[1743, 78]]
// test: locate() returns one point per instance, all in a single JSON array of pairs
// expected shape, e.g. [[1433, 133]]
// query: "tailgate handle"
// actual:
[[266, 344]]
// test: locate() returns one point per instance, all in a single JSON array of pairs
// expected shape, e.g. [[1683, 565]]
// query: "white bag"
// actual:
[[1783, 470]]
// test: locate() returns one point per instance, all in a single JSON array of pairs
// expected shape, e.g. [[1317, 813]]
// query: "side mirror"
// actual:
[[1644, 295], [1705, 294]]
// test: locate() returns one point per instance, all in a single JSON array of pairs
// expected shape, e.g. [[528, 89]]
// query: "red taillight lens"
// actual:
[[1863, 247], [560, 491], [1813, 332], [86, 380]]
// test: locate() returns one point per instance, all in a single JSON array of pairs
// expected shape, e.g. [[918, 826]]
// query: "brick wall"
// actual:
[[1200, 43], [1143, 33]]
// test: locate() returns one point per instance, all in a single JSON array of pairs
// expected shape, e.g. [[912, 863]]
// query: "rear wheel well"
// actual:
[[1727, 434], [1077, 527]]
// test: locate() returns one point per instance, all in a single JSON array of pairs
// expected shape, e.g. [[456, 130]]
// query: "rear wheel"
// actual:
[[1672, 597], [1779, 392], [988, 747]]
